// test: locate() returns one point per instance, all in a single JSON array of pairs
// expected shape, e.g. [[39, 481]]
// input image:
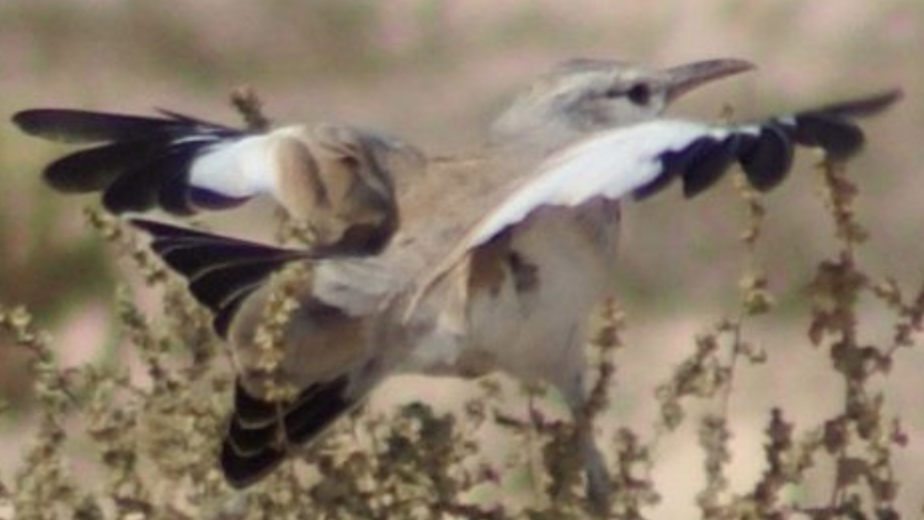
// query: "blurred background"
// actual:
[[434, 72]]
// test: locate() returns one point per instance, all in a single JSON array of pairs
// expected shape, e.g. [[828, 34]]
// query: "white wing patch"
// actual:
[[243, 168], [610, 164]]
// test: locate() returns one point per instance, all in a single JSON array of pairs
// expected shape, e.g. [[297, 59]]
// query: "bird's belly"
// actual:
[[528, 313], [533, 329]]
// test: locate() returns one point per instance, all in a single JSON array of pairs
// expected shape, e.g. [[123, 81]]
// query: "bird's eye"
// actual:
[[640, 94]]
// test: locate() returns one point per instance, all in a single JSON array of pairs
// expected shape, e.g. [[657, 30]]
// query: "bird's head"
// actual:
[[583, 96]]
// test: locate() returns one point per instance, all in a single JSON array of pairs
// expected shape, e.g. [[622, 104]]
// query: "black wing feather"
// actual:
[[221, 271], [242, 470], [193, 257], [769, 159], [142, 187], [253, 413], [860, 107], [673, 164], [251, 441], [228, 279], [261, 433], [173, 193], [707, 167], [82, 126], [840, 138], [94, 169], [144, 163], [192, 120], [326, 402], [832, 128], [765, 150]]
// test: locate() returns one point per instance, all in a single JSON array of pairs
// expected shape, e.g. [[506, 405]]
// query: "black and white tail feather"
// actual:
[[142, 162], [643, 159], [221, 273]]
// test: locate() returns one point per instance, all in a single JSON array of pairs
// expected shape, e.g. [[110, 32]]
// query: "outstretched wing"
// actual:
[[325, 362], [140, 162], [643, 159], [221, 271], [339, 179]]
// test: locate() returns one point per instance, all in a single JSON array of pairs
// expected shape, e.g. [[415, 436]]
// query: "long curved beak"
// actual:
[[684, 78]]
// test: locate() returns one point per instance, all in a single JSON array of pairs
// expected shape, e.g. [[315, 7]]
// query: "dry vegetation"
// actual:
[[129, 427]]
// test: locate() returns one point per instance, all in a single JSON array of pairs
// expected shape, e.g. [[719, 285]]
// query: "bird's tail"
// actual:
[[137, 162], [222, 272]]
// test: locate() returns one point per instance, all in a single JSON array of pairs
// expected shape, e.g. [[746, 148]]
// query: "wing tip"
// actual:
[[150, 227], [884, 99], [28, 121], [865, 106]]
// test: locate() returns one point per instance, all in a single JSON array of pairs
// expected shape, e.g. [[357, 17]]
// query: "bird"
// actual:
[[496, 259]]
